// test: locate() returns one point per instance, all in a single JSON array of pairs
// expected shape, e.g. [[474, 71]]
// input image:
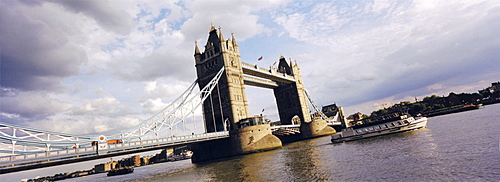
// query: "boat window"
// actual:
[[399, 123], [370, 128], [391, 124], [358, 131], [365, 130], [377, 127], [383, 126]]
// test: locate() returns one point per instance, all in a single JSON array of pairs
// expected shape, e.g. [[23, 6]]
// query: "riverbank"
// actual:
[[129, 162], [453, 109]]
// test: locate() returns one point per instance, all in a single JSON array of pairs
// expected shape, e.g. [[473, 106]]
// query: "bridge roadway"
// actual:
[[21, 162]]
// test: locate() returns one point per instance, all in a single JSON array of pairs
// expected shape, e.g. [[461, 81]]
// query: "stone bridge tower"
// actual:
[[290, 97], [228, 99]]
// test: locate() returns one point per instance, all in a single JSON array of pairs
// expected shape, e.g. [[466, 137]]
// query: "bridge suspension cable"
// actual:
[[321, 114], [173, 114]]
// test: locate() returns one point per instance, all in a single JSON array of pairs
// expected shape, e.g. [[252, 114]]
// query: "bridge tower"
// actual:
[[290, 97], [292, 103], [228, 103]]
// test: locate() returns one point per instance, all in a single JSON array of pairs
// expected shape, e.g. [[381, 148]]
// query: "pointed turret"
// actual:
[[197, 53], [223, 43], [233, 40], [213, 42], [196, 49], [235, 45], [284, 67], [212, 27]]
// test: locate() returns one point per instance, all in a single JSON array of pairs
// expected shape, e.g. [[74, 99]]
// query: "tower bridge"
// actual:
[[229, 129]]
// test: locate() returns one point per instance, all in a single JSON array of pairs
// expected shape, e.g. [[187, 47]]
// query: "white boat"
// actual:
[[405, 123]]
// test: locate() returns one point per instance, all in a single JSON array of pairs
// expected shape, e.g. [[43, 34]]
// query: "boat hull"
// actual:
[[120, 171], [362, 133]]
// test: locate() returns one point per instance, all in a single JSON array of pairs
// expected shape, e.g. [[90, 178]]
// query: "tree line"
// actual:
[[435, 103]]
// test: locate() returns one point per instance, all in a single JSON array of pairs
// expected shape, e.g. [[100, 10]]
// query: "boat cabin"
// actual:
[[251, 121]]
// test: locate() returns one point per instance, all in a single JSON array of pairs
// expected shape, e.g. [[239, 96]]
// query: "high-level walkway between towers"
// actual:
[[259, 72]]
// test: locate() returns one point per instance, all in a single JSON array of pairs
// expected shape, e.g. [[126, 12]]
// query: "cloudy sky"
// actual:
[[87, 67]]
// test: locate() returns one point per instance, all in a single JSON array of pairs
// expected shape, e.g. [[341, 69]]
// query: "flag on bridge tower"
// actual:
[[260, 58]]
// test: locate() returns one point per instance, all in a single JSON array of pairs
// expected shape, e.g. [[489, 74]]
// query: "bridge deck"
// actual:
[[29, 161], [14, 163]]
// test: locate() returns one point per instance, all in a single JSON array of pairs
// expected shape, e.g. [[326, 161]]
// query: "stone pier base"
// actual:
[[246, 140], [315, 129]]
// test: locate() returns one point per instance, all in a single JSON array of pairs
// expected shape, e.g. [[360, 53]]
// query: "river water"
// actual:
[[455, 147]]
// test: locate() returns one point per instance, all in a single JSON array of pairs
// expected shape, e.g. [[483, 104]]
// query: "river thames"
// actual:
[[455, 147]]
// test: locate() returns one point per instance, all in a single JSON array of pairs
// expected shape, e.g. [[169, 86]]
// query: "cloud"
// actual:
[[84, 125], [104, 13], [35, 54], [164, 62], [378, 51], [174, 58], [232, 16], [106, 106], [33, 105]]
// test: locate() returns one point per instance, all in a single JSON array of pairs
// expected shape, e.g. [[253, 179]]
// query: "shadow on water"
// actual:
[[303, 160], [299, 161]]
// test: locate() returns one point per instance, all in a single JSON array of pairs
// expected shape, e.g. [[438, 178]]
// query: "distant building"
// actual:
[[494, 89], [355, 118], [145, 160], [99, 168], [330, 110]]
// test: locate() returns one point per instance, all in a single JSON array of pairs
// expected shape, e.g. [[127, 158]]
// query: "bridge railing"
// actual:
[[46, 154], [284, 127], [58, 154]]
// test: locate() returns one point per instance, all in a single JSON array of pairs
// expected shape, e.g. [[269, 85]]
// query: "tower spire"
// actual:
[[196, 49], [212, 27], [233, 40]]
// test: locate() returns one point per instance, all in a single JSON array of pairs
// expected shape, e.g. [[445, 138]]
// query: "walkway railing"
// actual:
[[268, 73]]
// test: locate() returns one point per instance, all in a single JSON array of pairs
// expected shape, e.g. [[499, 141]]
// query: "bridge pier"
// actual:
[[211, 150], [250, 139], [255, 138], [306, 130], [315, 129]]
